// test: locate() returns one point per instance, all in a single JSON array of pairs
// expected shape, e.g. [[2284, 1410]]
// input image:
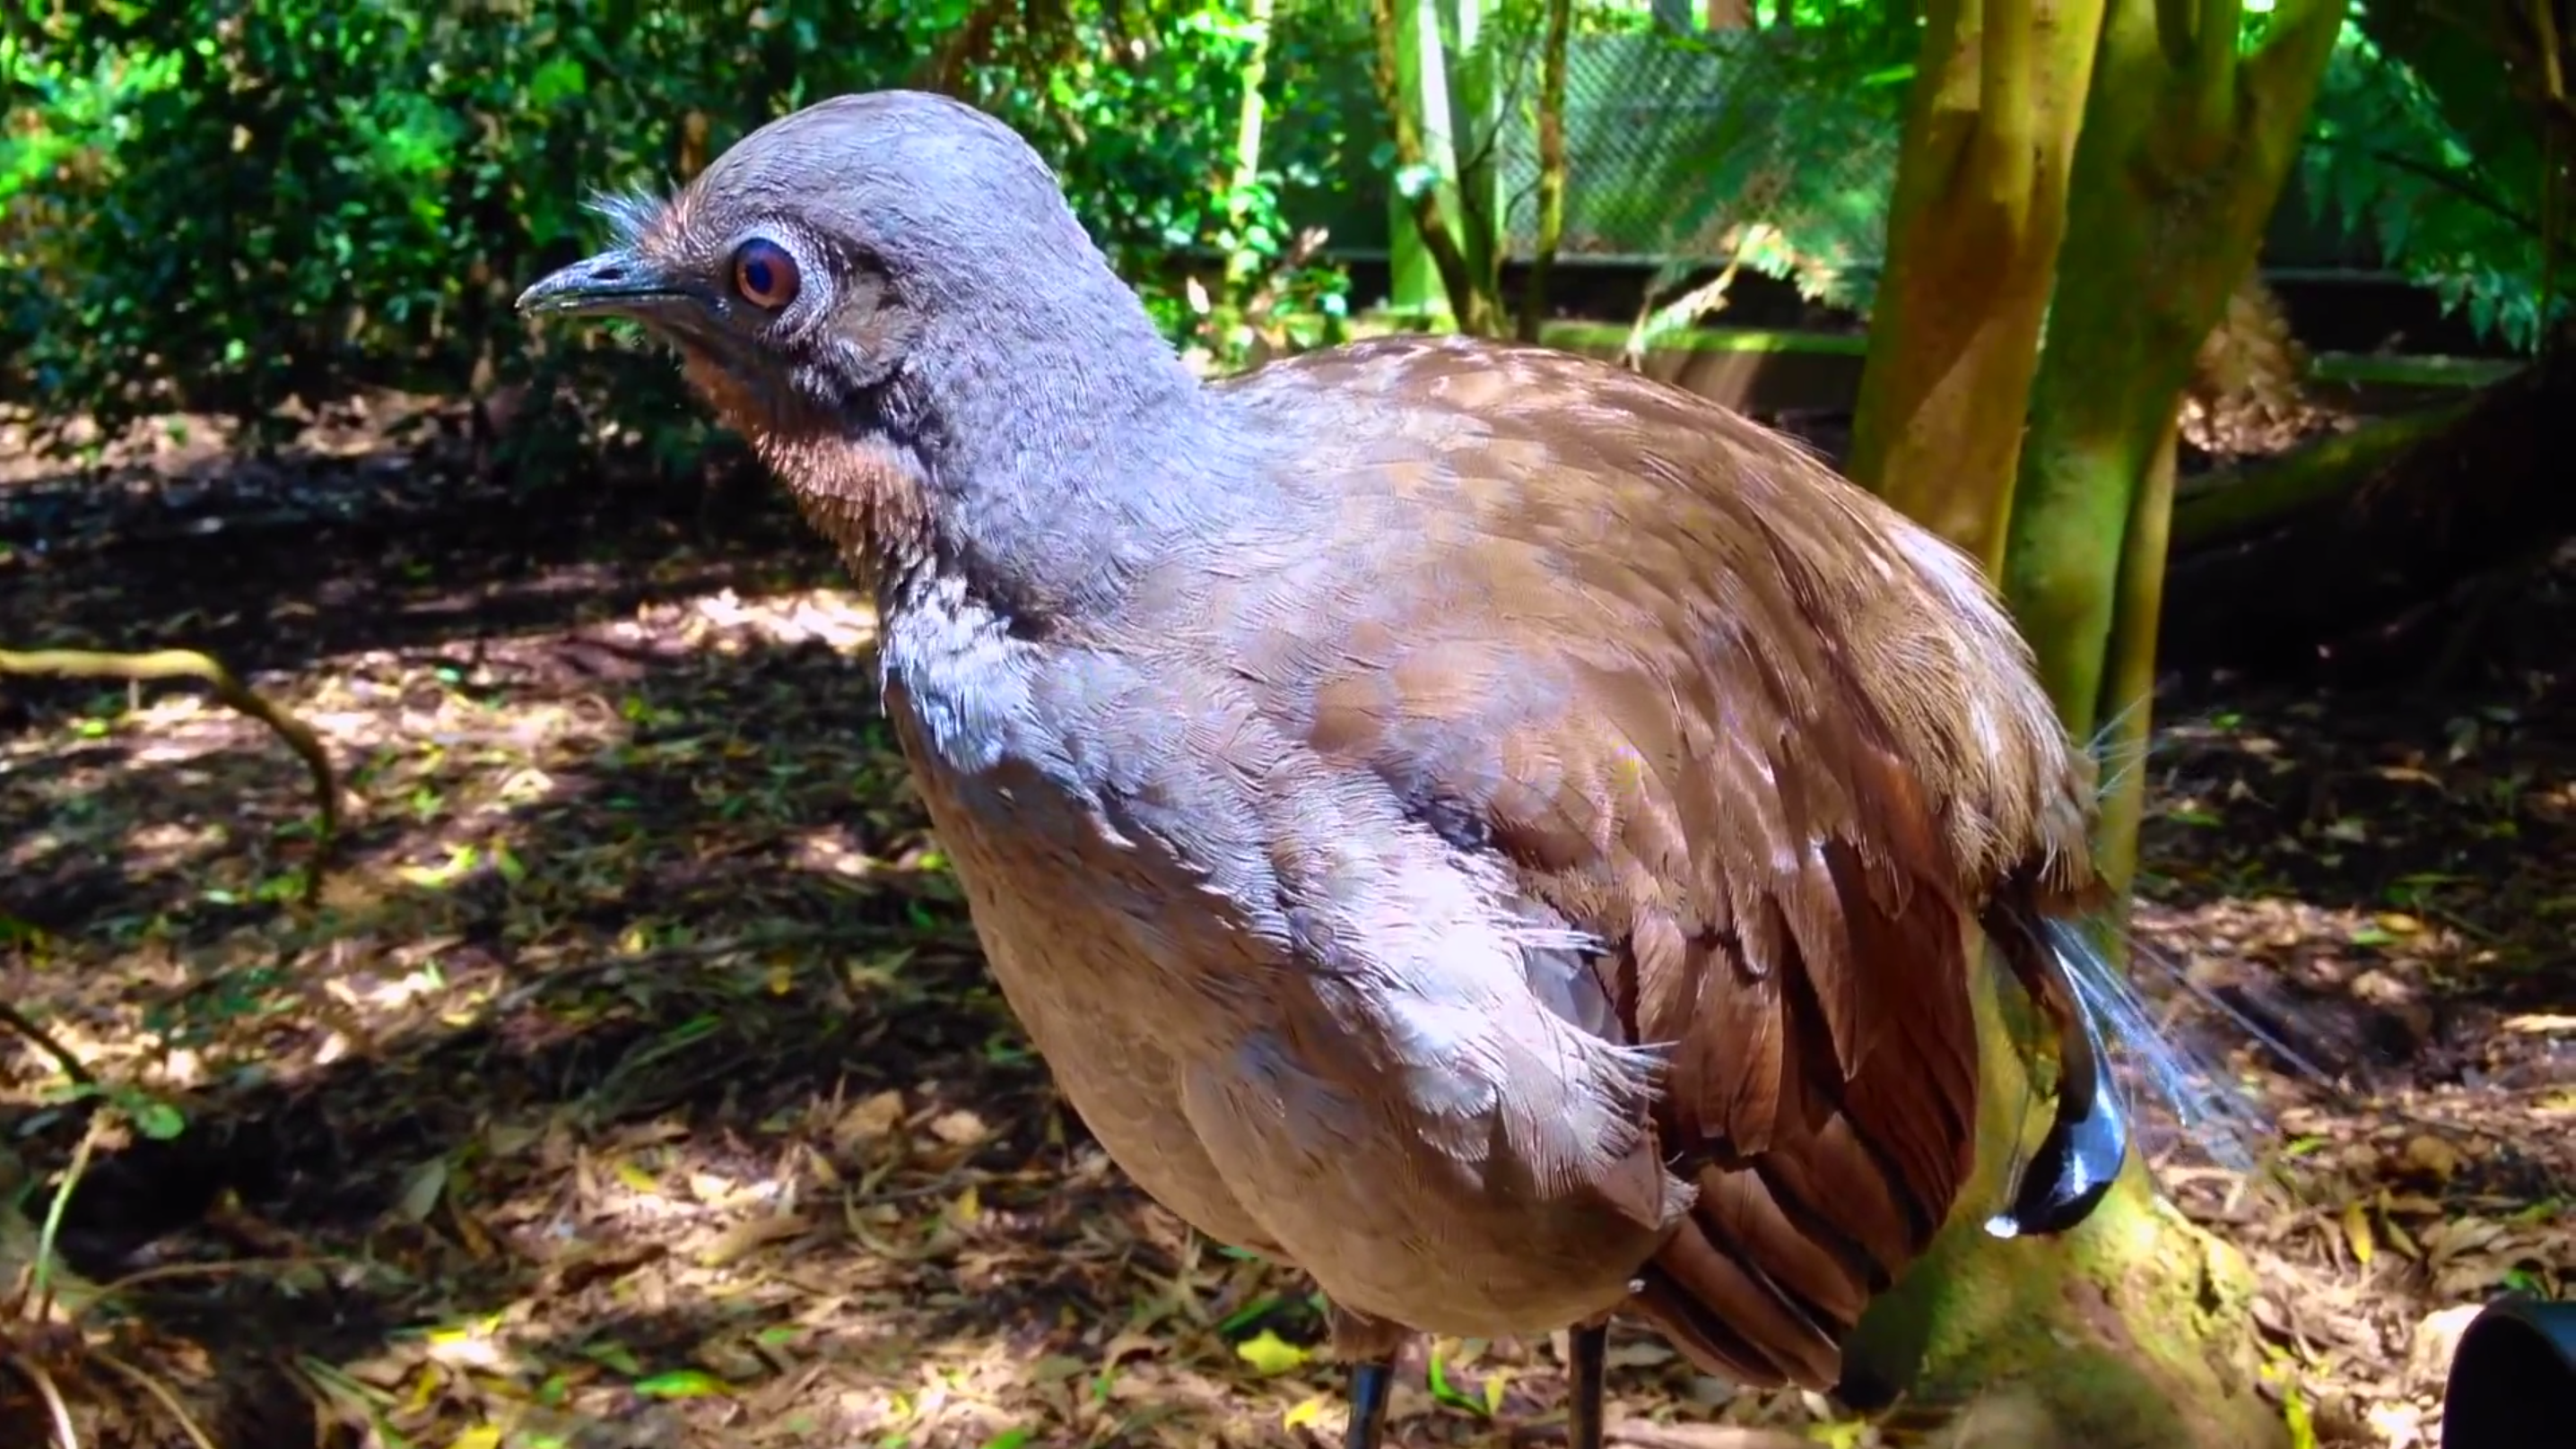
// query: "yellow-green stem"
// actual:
[[2166, 218], [2128, 702], [1241, 260], [1408, 56]]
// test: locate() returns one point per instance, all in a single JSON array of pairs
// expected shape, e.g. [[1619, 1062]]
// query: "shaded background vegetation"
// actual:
[[234, 208]]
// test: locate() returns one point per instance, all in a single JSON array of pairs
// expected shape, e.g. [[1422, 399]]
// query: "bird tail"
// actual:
[[2088, 1139], [2098, 1018], [1766, 1277]]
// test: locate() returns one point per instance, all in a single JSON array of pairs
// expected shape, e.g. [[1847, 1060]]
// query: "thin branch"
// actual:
[[2553, 194], [560, 970], [189, 664], [2553, 66], [1249, 116], [160, 1392], [1489, 140], [41, 1293], [17, 1021], [2553, 212], [2212, 69], [229, 1267], [2496, 206], [64, 1435]]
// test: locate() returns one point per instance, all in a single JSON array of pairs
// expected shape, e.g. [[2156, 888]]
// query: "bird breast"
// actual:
[[1188, 912]]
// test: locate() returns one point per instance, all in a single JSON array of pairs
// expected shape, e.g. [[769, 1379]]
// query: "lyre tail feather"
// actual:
[[2099, 1018]]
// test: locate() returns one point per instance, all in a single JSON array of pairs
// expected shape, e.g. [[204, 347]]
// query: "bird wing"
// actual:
[[1767, 743]]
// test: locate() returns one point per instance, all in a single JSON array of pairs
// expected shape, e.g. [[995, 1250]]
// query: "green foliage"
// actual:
[[2417, 138], [301, 198], [1143, 119], [227, 206], [231, 204]]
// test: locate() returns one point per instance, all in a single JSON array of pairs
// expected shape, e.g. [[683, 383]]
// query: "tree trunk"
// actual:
[[1243, 259], [2127, 1333], [1476, 47], [1410, 73], [1551, 166], [2184, 151], [1972, 247], [2131, 1331]]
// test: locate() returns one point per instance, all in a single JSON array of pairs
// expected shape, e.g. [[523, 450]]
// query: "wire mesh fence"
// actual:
[[1691, 150], [1778, 147]]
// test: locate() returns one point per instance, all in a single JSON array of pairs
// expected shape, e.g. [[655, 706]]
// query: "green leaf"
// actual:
[[1412, 182], [682, 1384], [158, 1120], [557, 80], [1269, 1354]]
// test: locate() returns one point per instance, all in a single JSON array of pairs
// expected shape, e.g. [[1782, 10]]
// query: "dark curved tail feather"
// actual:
[[1756, 1289], [2088, 1140]]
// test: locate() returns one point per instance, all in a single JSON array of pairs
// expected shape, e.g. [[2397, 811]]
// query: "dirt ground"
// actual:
[[634, 1081]]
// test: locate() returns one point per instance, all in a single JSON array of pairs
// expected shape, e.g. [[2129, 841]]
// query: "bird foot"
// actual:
[[1372, 1389], [1588, 1355], [1374, 1347]]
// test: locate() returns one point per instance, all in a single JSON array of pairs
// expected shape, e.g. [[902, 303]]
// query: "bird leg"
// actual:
[[1372, 1388], [1590, 1346], [1371, 1346]]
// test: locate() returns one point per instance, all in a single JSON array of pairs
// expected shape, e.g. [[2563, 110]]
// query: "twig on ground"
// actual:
[[189, 664], [43, 1295], [847, 932], [65, 1436], [160, 1393], [18, 1022]]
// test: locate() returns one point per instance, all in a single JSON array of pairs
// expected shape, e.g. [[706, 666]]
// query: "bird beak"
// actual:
[[618, 281]]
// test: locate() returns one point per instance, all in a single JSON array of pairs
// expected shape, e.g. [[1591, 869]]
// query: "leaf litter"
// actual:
[[636, 1083]]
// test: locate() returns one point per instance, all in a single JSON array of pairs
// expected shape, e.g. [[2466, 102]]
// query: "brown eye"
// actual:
[[765, 275]]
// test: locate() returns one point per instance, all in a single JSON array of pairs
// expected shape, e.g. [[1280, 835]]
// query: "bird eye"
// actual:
[[764, 274]]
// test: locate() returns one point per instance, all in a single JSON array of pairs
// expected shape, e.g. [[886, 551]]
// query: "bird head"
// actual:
[[885, 293], [797, 274]]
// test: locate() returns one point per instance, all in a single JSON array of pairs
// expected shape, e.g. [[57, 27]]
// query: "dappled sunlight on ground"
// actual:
[[637, 1070], [2385, 890], [637, 1058]]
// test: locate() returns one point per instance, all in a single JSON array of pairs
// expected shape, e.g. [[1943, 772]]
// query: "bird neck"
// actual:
[[1056, 441]]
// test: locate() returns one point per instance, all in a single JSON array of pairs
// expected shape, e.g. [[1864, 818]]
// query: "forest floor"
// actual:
[[634, 1080]]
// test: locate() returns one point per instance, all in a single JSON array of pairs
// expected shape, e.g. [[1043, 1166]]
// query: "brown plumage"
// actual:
[[1501, 833], [1799, 754]]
